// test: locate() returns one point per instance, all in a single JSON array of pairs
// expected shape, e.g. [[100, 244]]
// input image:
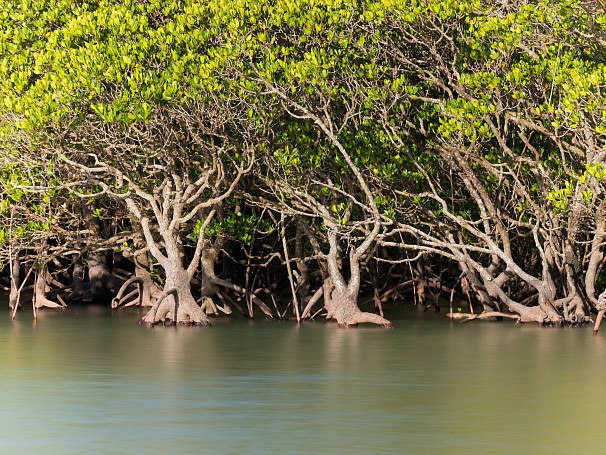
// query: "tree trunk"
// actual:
[[328, 288], [546, 304], [208, 287], [41, 287], [98, 275], [596, 256], [474, 284], [421, 285], [303, 281], [347, 313], [207, 264], [343, 303], [13, 300], [179, 309], [78, 278]]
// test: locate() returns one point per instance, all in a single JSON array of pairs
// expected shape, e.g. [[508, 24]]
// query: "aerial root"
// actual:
[[490, 314], [598, 321], [363, 317]]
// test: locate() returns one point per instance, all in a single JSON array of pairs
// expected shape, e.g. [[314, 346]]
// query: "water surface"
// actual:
[[90, 380]]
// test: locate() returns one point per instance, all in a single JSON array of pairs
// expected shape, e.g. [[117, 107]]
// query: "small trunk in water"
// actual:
[[77, 278], [303, 280], [328, 289], [13, 300], [207, 264], [421, 285], [98, 275]]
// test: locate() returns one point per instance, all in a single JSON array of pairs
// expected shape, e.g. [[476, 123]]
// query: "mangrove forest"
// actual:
[[305, 159]]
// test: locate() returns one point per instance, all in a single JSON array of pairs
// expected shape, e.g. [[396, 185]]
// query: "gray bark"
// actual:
[[77, 278], [343, 304], [41, 288], [98, 275], [13, 300]]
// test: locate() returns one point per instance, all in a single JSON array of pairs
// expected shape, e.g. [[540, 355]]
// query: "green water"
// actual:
[[90, 381]]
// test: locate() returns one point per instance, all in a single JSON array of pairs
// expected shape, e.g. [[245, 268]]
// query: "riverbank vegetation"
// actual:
[[281, 158]]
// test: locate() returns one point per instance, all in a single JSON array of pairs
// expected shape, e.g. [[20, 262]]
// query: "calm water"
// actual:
[[92, 381]]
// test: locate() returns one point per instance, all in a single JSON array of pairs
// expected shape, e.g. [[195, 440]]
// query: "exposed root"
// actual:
[[210, 307], [342, 306], [61, 301], [170, 309], [598, 321], [40, 291], [307, 311], [395, 290], [518, 318], [46, 303], [256, 300], [362, 317], [226, 299], [313, 316], [370, 318], [536, 314], [185, 316], [489, 314], [133, 302], [127, 298], [120, 300], [601, 307]]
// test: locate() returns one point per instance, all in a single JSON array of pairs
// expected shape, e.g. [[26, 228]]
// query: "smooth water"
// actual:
[[89, 381]]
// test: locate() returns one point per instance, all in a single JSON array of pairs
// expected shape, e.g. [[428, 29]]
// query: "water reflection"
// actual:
[[92, 381]]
